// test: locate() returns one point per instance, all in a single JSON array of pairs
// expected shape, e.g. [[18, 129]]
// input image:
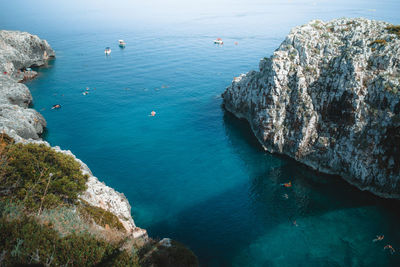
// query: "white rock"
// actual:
[[330, 97]]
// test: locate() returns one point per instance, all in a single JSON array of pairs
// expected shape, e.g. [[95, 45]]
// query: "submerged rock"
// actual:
[[329, 97]]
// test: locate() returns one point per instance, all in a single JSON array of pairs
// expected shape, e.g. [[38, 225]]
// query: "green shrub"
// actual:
[[38, 176], [100, 216], [25, 241], [65, 220]]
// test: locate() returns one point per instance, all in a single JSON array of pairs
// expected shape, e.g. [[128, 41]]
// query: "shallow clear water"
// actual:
[[194, 172]]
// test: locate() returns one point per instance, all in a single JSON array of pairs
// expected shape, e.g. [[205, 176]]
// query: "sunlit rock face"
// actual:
[[18, 51], [329, 97]]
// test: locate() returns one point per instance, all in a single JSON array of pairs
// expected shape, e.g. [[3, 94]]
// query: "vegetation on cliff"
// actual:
[[43, 221], [38, 176]]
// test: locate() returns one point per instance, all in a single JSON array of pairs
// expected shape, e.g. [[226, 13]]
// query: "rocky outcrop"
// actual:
[[98, 194], [19, 51], [16, 119], [329, 97]]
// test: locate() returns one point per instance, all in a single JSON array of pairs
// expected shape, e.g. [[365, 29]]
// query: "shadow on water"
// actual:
[[331, 187], [240, 215]]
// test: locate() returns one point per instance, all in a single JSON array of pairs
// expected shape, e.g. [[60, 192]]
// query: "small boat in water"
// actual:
[[218, 41], [107, 51], [121, 43]]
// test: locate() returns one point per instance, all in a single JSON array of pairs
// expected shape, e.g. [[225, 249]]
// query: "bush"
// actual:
[[38, 176], [25, 241], [100, 216]]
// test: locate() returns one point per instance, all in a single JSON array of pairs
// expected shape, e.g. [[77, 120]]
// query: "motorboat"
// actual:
[[107, 51], [121, 43], [218, 41]]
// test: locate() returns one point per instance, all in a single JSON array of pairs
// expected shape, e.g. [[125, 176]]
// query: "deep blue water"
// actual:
[[194, 172]]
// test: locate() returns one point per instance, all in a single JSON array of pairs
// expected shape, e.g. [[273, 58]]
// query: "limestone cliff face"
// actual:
[[18, 51], [21, 49], [329, 97]]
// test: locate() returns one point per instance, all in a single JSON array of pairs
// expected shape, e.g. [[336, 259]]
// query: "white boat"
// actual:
[[107, 51], [121, 43], [218, 41]]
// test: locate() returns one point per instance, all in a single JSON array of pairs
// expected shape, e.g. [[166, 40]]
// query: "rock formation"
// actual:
[[18, 51], [329, 97]]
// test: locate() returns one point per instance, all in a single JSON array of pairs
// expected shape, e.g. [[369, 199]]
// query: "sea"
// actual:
[[194, 172]]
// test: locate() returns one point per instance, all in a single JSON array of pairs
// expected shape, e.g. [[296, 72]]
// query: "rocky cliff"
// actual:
[[92, 220], [329, 97], [18, 51]]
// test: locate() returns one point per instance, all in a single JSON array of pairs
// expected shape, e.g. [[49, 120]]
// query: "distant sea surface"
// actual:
[[194, 172]]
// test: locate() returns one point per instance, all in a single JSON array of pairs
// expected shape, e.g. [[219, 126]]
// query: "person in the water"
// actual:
[[56, 106], [389, 247], [379, 238], [287, 184]]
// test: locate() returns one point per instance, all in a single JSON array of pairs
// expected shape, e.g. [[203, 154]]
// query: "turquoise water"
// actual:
[[194, 172]]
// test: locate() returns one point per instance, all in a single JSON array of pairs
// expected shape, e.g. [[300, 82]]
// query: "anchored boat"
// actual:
[[218, 41], [121, 43]]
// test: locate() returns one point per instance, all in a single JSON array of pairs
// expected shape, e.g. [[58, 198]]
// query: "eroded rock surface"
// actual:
[[329, 97], [19, 50], [100, 195]]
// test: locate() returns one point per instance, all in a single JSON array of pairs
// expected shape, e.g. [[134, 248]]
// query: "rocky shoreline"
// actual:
[[19, 51], [329, 97]]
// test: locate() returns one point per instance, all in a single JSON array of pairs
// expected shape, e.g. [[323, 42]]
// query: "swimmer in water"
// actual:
[[389, 247], [379, 238], [287, 184], [153, 113], [56, 106]]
